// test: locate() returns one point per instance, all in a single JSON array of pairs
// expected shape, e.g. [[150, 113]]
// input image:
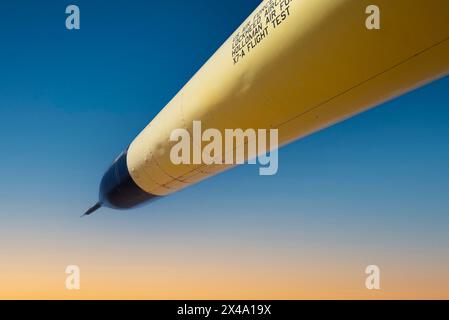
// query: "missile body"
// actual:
[[294, 65]]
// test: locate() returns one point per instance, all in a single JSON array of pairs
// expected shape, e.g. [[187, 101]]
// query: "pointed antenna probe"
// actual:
[[92, 210]]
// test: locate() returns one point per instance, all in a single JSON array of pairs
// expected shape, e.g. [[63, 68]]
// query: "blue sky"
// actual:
[[70, 102]]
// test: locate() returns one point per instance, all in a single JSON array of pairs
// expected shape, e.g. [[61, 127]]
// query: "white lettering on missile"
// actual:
[[72, 281], [72, 22], [373, 20], [373, 280], [206, 148]]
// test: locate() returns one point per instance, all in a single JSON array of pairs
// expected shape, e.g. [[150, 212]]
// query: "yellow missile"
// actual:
[[294, 65]]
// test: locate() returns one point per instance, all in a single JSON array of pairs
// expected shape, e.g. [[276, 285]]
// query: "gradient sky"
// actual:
[[371, 190]]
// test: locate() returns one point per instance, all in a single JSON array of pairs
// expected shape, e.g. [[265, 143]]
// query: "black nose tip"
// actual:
[[118, 190], [92, 210]]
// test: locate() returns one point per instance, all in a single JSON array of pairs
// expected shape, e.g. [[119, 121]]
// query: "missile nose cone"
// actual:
[[118, 189]]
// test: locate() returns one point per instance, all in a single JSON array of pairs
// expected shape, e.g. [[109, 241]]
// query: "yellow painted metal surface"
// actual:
[[315, 66]]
